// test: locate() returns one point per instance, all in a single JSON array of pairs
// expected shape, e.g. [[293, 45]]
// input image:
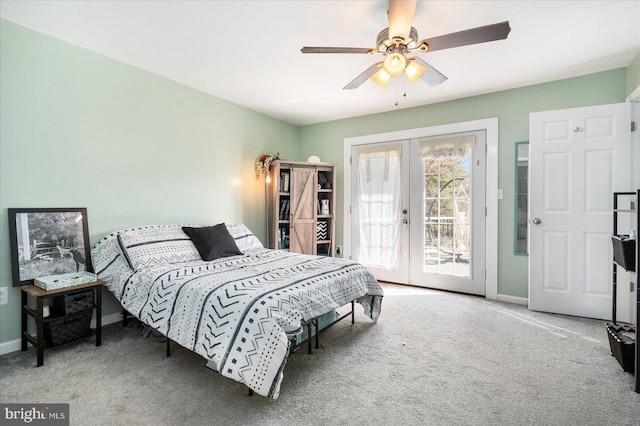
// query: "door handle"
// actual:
[[536, 221]]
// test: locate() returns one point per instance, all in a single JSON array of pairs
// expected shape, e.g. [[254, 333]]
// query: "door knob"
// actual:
[[536, 221]]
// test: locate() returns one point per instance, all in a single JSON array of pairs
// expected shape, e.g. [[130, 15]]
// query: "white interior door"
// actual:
[[578, 158], [418, 211]]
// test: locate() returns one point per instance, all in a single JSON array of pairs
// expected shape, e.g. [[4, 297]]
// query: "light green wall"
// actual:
[[512, 107], [78, 129], [633, 74]]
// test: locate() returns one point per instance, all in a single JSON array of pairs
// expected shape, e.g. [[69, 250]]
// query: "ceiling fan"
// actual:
[[400, 39]]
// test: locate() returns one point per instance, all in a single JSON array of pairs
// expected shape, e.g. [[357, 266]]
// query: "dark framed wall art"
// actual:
[[48, 241]]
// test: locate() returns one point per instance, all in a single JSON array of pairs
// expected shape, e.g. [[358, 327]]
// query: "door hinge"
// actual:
[[349, 209], [485, 212], [633, 126], [351, 161]]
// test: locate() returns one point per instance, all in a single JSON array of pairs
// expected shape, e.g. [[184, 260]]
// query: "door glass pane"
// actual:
[[379, 190], [522, 196], [447, 220]]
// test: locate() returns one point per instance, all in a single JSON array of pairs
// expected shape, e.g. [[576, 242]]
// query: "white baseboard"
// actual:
[[16, 345], [10, 346], [513, 299]]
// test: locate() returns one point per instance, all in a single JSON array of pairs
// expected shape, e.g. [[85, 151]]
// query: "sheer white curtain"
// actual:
[[446, 148], [379, 205]]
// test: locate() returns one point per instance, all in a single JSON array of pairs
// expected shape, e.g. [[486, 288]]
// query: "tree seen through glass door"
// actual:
[[447, 214]]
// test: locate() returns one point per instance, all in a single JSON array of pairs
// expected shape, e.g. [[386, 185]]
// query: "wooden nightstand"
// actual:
[[37, 314]]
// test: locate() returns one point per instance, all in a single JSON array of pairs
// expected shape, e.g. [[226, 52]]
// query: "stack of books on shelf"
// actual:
[[284, 181], [284, 210], [283, 238]]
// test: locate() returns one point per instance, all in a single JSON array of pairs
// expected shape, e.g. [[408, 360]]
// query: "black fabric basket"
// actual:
[[65, 329], [624, 252], [72, 303], [622, 347]]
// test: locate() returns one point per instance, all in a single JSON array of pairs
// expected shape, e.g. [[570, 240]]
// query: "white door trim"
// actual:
[[490, 126]]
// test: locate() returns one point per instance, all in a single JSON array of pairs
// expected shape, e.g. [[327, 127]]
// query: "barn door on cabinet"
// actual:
[[303, 210]]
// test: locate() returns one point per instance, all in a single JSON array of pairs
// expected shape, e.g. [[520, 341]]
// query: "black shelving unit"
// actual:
[[632, 210], [38, 315]]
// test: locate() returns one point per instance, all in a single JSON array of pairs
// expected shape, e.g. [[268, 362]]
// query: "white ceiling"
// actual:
[[248, 52]]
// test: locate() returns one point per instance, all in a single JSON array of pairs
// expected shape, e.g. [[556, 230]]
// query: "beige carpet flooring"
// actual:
[[433, 358]]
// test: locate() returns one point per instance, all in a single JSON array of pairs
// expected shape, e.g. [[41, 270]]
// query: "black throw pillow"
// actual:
[[213, 242]]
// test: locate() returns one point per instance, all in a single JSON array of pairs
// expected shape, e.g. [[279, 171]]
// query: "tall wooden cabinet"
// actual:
[[301, 207]]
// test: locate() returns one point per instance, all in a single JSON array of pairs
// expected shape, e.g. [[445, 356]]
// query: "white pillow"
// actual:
[[156, 245], [245, 240]]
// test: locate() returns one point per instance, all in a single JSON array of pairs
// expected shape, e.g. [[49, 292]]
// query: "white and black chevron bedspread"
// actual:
[[237, 311]]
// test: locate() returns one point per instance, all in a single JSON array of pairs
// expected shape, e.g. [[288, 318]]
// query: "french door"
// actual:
[[380, 187], [418, 210]]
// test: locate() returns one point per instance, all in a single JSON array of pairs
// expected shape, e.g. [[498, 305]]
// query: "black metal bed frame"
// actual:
[[313, 322]]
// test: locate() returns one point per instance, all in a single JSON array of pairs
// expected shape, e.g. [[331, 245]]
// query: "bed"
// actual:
[[242, 310]]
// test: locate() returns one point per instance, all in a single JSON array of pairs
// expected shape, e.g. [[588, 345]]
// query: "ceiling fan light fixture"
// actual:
[[381, 78], [395, 64], [422, 46], [412, 40], [383, 41], [414, 71]]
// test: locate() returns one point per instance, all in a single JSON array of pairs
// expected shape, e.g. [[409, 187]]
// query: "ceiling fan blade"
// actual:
[[401, 18], [366, 75], [431, 76], [337, 50], [492, 32]]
